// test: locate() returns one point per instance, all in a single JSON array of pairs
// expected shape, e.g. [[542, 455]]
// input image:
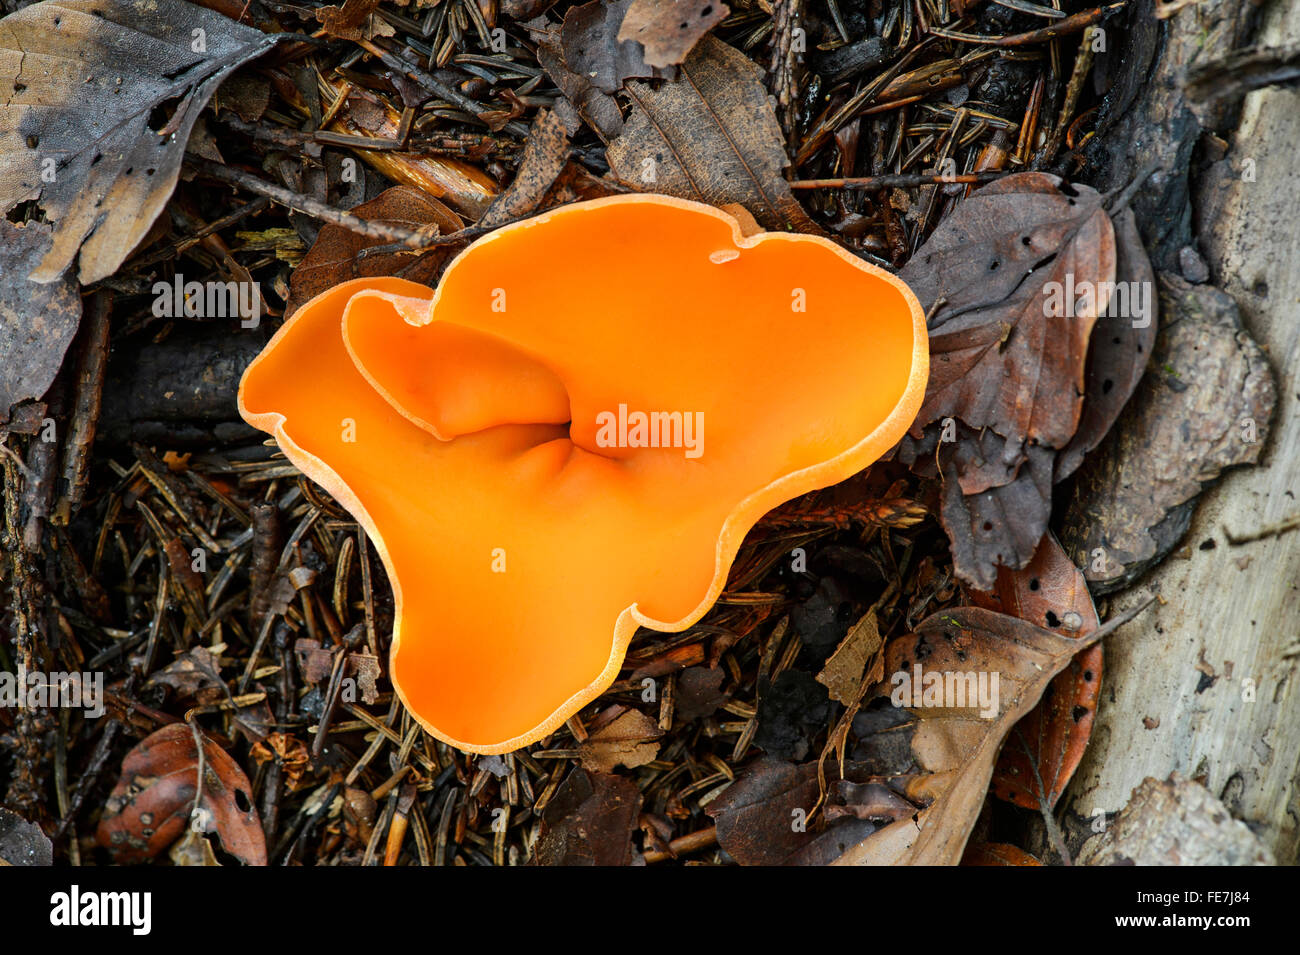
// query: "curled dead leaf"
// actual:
[[941, 754], [1047, 745], [631, 739], [154, 799]]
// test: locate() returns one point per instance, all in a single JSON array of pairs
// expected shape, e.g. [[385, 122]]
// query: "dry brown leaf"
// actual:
[[196, 674], [943, 755], [998, 359], [317, 664], [631, 740], [289, 751], [193, 850], [354, 20], [711, 136], [843, 672], [86, 80], [668, 29]]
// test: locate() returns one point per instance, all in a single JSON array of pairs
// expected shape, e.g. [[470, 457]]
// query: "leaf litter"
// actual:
[[774, 708]]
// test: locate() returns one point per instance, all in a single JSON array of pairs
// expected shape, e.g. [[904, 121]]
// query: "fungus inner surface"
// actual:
[[474, 435]]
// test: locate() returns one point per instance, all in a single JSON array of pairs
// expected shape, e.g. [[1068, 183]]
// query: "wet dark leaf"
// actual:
[[764, 817], [592, 47], [699, 692], [589, 821], [791, 709], [37, 320], [23, 843]]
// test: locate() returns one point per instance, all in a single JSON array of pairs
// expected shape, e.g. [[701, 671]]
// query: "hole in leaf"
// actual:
[[27, 211], [1033, 584], [242, 801], [1053, 620]]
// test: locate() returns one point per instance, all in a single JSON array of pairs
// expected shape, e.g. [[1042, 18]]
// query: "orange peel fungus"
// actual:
[[571, 437]]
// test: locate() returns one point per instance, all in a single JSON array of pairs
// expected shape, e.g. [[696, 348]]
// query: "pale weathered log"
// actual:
[[1206, 684], [1175, 822]]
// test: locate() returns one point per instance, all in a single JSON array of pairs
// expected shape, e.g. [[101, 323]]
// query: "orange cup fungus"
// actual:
[[570, 437]]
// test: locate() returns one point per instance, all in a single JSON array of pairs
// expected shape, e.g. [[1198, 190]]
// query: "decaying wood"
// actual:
[[1204, 405], [1215, 663], [1175, 822]]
